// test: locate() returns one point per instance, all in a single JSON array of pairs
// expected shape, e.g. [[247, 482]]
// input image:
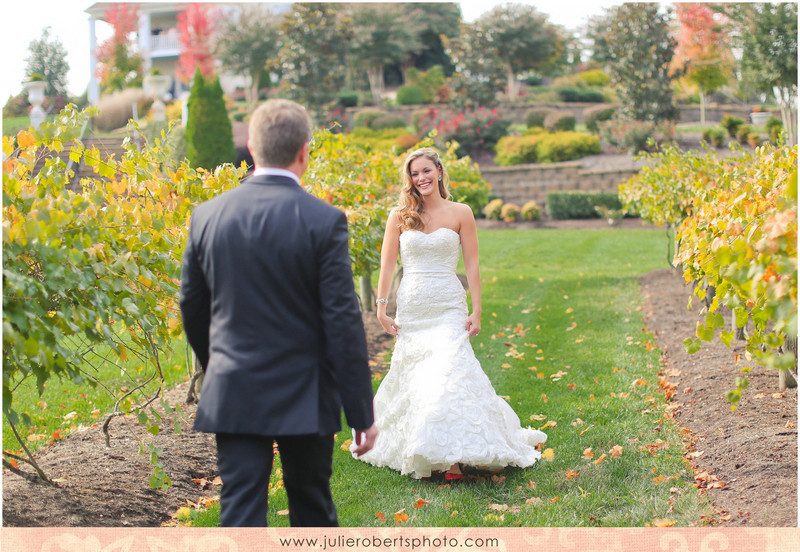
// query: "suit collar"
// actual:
[[272, 180]]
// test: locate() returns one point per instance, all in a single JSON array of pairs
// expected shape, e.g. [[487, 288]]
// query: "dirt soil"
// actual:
[[753, 451]]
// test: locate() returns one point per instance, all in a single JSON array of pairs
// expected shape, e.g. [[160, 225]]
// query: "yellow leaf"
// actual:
[[639, 381], [25, 139], [538, 417], [346, 444], [662, 522], [549, 423], [549, 455], [600, 460]]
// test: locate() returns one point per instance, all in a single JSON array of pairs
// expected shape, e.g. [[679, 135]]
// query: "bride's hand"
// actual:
[[473, 325], [388, 324]]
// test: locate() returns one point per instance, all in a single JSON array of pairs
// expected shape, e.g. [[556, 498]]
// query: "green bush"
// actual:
[[16, 106], [714, 136], [731, 124], [531, 211], [536, 116], [580, 205], [509, 212], [594, 77], [365, 118], [559, 121], [493, 209], [430, 83], [774, 126], [633, 136], [580, 95], [597, 114], [347, 98], [546, 148], [410, 94], [743, 133], [389, 121], [209, 133]]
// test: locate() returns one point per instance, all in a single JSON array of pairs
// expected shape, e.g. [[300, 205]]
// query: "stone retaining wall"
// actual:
[[523, 183]]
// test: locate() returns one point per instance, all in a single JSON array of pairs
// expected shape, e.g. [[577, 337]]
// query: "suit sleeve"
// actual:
[[195, 303], [344, 329]]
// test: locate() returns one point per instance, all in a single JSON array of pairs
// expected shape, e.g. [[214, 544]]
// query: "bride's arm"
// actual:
[[389, 252], [469, 248]]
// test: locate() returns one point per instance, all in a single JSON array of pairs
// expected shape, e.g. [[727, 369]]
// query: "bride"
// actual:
[[436, 409]]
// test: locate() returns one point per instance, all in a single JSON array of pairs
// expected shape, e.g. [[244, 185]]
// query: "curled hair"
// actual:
[[409, 207]]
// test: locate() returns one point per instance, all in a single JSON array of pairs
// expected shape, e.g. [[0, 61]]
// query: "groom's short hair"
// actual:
[[278, 131]]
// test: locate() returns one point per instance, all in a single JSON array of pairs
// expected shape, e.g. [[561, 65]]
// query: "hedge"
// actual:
[[545, 148], [536, 116], [579, 205]]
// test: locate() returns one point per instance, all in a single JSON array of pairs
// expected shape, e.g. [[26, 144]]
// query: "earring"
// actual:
[[440, 178]]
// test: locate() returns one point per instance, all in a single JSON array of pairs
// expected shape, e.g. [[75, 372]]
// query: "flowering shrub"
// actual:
[[531, 211], [509, 212], [493, 209], [633, 136], [475, 131]]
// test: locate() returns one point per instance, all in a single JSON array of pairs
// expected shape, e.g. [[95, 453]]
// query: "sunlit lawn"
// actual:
[[567, 305]]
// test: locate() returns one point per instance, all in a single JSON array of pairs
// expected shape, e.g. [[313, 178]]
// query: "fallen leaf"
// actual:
[[569, 310], [549, 423], [531, 484], [499, 479], [600, 460], [492, 517], [538, 417], [615, 451], [759, 396], [420, 503], [400, 517], [674, 490], [498, 507], [572, 327], [662, 522], [553, 499], [443, 487], [778, 395], [577, 422], [572, 474], [587, 454], [544, 398], [549, 455], [640, 381], [381, 516], [695, 454], [533, 501], [346, 444], [283, 512]]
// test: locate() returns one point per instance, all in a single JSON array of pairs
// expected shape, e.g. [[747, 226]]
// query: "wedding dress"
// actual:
[[436, 407]]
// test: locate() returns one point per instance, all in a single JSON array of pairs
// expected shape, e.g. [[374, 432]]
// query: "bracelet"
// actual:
[[381, 301]]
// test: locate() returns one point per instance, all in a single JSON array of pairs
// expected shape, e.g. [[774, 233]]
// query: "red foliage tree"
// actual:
[[117, 66], [196, 29]]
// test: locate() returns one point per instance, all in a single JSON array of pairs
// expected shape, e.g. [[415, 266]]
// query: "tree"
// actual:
[[701, 52], [195, 32], [431, 22], [248, 42], [313, 53], [209, 134], [521, 38], [634, 42], [118, 66], [48, 58], [767, 35], [478, 74], [380, 36]]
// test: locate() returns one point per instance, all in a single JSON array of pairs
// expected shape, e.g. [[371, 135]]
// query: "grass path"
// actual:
[[563, 340]]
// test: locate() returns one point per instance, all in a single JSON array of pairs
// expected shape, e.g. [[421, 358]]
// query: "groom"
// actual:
[[269, 307]]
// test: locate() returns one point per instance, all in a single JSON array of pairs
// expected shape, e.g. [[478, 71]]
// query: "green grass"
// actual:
[[550, 281], [65, 405]]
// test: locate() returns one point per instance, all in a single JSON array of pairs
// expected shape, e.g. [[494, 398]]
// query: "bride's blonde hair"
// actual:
[[409, 206]]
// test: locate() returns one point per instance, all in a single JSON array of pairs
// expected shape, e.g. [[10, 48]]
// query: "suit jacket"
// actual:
[[269, 307]]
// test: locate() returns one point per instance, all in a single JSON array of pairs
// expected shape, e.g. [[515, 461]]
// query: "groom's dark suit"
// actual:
[[269, 307]]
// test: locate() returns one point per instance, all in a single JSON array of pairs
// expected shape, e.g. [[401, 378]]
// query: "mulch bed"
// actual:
[[753, 451]]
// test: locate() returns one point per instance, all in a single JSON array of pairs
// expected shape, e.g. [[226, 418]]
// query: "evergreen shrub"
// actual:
[[410, 94], [388, 121], [559, 121], [731, 124], [580, 205], [347, 98], [597, 114], [365, 117], [536, 116], [209, 133]]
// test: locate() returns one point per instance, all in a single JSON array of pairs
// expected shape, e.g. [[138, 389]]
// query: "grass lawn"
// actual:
[[563, 340]]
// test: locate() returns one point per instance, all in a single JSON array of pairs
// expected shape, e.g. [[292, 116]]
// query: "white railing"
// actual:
[[164, 41]]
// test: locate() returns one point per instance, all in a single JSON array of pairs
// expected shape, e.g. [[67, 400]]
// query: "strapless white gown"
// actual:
[[436, 407]]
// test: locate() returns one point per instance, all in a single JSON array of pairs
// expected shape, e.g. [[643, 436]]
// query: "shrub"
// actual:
[[533, 80], [493, 209], [347, 98], [597, 114], [16, 106], [531, 211], [546, 148], [424, 119], [731, 124], [365, 118], [474, 131], [175, 111], [580, 205], [595, 77], [388, 121], [410, 94], [632, 136], [580, 95], [558, 121], [743, 133], [209, 134], [407, 141], [431, 85], [509, 212], [714, 136], [774, 126], [116, 108], [536, 116], [754, 139]]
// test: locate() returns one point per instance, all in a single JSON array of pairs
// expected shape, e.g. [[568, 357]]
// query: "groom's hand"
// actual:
[[364, 439]]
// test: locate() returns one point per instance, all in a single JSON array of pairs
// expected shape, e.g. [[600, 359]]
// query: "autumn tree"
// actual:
[[521, 39], [701, 53], [118, 65], [48, 58], [313, 53], [248, 42], [196, 32], [380, 36], [767, 35], [634, 43]]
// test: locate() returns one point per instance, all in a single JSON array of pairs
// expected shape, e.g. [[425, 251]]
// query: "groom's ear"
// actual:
[[303, 156]]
